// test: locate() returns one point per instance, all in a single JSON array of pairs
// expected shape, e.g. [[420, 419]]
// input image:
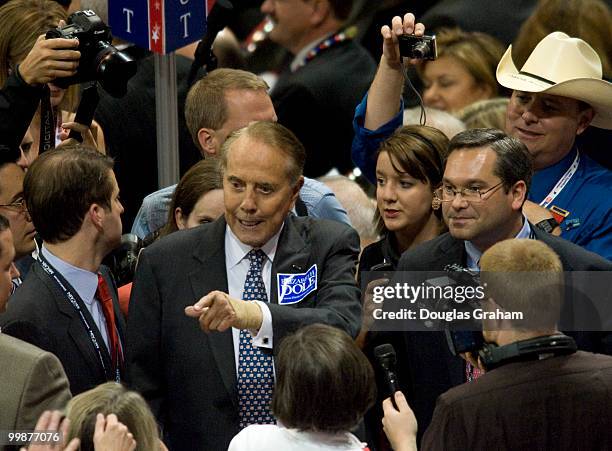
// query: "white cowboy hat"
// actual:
[[562, 66]]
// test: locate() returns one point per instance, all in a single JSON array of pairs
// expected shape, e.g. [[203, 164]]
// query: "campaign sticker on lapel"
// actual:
[[292, 288]]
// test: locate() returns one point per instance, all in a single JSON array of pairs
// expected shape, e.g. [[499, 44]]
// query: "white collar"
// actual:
[[236, 251]]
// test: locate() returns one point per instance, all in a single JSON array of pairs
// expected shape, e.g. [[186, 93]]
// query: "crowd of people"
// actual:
[[252, 315]]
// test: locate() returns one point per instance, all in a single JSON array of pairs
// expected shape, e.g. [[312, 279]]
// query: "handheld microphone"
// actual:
[[385, 355]]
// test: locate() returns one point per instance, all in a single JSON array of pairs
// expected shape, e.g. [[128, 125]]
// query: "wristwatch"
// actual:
[[547, 225]]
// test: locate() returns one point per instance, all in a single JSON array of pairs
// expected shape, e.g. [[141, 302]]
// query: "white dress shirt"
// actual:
[[236, 267]]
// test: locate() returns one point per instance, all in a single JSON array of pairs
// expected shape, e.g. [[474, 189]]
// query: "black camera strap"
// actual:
[[493, 356], [47, 122]]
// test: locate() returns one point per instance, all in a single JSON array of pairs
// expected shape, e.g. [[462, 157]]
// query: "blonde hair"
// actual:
[[524, 275], [131, 410], [479, 53], [489, 113], [205, 106]]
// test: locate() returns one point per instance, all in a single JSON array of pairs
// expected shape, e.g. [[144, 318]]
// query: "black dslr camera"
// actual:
[[419, 47], [99, 59]]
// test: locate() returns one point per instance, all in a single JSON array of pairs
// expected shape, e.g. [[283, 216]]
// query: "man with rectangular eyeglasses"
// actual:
[[12, 206], [485, 183]]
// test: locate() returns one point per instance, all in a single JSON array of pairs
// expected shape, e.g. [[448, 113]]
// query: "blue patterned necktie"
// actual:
[[255, 369]]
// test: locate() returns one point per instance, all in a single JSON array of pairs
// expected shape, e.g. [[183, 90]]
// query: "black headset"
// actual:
[[493, 356]]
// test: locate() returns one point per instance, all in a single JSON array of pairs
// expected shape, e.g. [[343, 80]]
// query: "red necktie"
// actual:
[[104, 295]]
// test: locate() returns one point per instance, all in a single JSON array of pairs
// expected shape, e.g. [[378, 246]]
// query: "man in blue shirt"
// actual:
[[224, 101], [554, 100]]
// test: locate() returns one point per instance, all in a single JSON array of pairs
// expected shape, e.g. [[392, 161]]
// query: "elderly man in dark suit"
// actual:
[[67, 304], [255, 275], [485, 183], [32, 380]]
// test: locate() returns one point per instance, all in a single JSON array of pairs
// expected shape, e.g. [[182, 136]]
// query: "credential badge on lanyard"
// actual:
[[292, 288]]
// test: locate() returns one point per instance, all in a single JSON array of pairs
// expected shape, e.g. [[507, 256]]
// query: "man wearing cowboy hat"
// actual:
[[557, 94]]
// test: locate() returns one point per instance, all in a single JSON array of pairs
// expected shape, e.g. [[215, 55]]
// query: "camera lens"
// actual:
[[420, 50], [114, 69]]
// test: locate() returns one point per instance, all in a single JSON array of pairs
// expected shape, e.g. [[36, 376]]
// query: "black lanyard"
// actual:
[[65, 287]]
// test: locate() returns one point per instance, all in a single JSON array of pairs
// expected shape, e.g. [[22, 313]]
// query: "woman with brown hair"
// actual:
[[408, 170], [197, 199], [323, 387]]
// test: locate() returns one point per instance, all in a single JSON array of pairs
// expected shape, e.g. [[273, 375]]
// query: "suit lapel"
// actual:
[[76, 329], [453, 251], [292, 255], [209, 274]]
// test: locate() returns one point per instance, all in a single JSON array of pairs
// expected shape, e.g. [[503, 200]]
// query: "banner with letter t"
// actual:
[[161, 26]]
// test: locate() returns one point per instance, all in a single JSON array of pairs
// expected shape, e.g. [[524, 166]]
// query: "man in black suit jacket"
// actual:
[[485, 182], [190, 377], [316, 96], [73, 198]]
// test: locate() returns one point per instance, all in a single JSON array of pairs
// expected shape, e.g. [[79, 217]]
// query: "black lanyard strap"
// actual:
[[66, 288]]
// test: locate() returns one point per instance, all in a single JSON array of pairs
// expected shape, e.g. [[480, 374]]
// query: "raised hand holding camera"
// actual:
[[99, 59], [399, 28], [50, 59]]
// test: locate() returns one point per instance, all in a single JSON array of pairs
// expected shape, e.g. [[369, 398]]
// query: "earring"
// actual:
[[436, 203]]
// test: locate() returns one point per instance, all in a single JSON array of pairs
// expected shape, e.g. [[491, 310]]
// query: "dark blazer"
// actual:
[[18, 103], [40, 314], [425, 365], [188, 376], [560, 403], [317, 103]]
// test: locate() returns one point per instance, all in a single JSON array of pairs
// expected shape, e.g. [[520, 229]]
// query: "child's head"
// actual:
[[131, 410], [324, 382]]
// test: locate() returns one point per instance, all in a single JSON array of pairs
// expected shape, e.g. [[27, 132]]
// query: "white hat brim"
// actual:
[[595, 92]]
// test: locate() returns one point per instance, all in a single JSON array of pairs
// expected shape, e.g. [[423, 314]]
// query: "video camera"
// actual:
[[100, 61], [123, 259], [463, 336]]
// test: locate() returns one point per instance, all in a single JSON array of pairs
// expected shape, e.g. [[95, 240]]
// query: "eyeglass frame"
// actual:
[[19, 205], [461, 192]]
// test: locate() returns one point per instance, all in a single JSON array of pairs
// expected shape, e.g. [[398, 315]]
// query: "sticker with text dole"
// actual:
[[292, 288]]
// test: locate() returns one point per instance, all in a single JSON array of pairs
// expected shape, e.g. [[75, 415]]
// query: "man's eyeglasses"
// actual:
[[447, 193], [18, 205]]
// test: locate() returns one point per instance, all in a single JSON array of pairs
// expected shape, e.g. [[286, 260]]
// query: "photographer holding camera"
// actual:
[[22, 83], [95, 59], [538, 391]]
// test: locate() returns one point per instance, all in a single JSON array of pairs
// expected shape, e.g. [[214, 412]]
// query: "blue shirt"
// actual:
[[85, 283], [474, 254], [366, 142], [320, 202], [588, 199]]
